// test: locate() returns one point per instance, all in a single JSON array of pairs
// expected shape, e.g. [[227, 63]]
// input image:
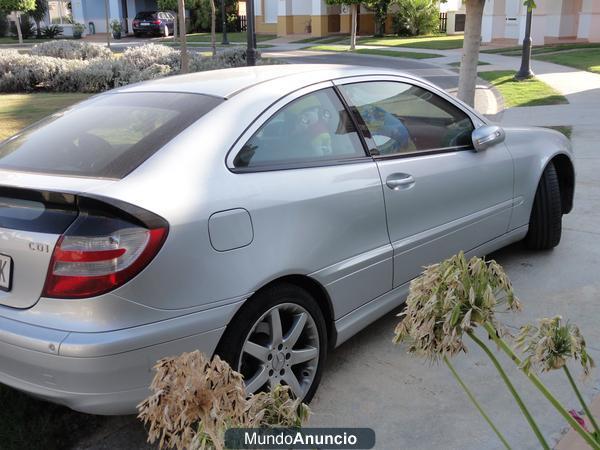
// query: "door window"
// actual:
[[312, 128], [404, 119]]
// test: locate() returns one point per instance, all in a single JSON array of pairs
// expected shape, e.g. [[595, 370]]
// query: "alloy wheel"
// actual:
[[281, 348]]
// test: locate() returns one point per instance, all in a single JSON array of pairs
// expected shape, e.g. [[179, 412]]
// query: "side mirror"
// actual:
[[487, 136]]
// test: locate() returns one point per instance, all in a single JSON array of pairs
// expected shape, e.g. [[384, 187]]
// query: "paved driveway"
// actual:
[[411, 405]]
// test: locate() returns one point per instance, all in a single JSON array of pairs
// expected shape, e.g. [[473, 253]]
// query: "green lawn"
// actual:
[[580, 59], [522, 93], [372, 51], [541, 49], [320, 40], [232, 37], [19, 110], [13, 40], [434, 42]]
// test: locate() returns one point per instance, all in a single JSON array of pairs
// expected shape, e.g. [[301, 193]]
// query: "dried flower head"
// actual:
[[196, 400], [451, 298], [551, 344]]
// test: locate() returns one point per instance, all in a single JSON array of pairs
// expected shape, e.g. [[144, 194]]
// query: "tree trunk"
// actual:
[[18, 25], [354, 10], [38, 31], [467, 80], [175, 29], [185, 64], [213, 27]]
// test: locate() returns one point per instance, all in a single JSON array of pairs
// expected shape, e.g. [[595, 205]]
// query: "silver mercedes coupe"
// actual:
[[264, 214]]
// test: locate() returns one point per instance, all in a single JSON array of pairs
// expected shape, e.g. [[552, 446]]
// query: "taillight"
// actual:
[[100, 252], [136, 23], [156, 22]]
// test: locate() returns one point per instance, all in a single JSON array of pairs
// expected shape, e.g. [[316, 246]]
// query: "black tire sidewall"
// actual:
[[545, 223], [233, 339]]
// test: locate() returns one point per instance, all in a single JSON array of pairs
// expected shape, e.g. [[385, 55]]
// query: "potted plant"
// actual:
[[78, 29], [116, 28]]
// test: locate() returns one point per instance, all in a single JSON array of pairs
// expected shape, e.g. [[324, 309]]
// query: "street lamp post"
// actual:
[[225, 41], [525, 71], [251, 52]]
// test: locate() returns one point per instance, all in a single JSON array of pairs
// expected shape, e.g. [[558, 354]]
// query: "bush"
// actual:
[[3, 23], [71, 50], [416, 17], [24, 72], [72, 66], [52, 32], [140, 58], [27, 27]]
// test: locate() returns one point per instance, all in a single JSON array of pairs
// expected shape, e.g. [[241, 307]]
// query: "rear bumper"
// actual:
[[100, 373], [150, 29]]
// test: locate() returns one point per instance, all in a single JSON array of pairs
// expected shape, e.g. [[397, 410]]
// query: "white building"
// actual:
[[553, 20]]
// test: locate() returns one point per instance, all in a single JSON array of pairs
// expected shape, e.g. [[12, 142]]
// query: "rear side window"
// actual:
[[107, 136], [310, 129]]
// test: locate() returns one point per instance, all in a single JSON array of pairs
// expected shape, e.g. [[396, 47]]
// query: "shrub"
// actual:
[[27, 27], [3, 23], [196, 399], [24, 72], [72, 66], [67, 49], [417, 17], [52, 31], [140, 58]]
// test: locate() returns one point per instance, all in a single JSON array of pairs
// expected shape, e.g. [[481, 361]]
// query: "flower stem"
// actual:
[[543, 389], [513, 391], [476, 403], [580, 398]]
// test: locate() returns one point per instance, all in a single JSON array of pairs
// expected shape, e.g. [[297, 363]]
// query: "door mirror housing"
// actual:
[[487, 136]]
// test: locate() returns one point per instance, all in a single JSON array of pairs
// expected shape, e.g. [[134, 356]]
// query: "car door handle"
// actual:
[[397, 181]]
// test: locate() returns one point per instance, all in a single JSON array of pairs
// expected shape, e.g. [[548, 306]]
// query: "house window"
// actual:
[[60, 12]]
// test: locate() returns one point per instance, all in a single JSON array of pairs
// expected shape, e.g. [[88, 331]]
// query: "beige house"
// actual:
[[314, 17], [553, 20]]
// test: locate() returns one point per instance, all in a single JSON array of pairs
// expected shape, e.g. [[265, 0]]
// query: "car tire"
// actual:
[[137, 35], [545, 223], [255, 315]]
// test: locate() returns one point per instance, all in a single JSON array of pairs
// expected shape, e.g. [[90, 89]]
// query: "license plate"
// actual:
[[144, 24], [5, 272]]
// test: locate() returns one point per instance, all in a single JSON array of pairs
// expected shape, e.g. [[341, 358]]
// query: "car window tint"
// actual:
[[402, 118], [315, 127], [107, 136], [146, 15]]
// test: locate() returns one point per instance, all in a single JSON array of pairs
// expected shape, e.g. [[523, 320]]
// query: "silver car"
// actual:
[[264, 214]]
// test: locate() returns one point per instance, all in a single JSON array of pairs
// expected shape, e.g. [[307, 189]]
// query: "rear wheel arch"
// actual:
[[566, 179], [312, 287]]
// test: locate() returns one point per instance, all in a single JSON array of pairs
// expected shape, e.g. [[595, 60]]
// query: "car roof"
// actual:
[[225, 83]]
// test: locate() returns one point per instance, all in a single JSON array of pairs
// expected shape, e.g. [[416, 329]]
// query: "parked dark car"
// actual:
[[154, 23]]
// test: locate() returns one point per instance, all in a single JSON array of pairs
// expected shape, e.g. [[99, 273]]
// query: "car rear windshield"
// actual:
[[148, 15], [107, 136]]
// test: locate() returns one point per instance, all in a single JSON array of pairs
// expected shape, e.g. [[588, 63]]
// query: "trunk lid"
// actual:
[[35, 210]]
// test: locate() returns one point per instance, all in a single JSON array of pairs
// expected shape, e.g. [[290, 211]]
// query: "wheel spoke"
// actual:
[[291, 380], [292, 337], [306, 354], [275, 322], [257, 381], [258, 351]]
